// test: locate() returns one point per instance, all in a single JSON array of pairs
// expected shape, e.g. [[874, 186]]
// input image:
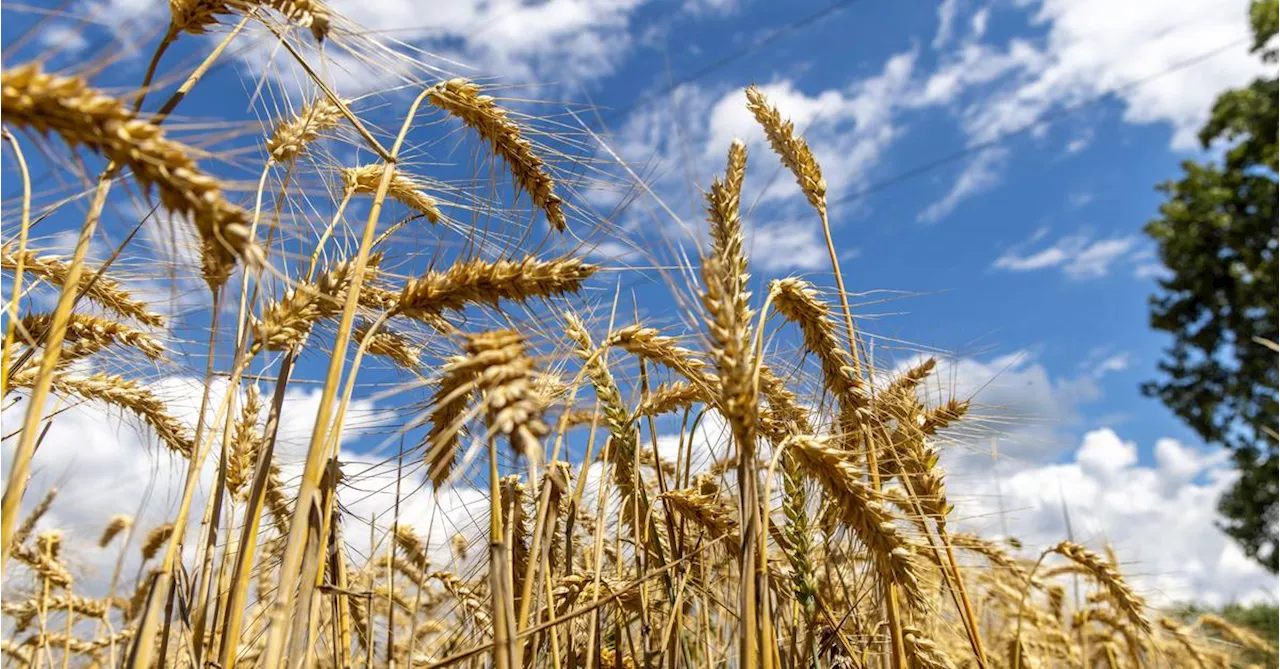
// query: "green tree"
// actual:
[[1217, 235]]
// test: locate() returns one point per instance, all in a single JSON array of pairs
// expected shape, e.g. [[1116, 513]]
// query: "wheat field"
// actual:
[[793, 512]]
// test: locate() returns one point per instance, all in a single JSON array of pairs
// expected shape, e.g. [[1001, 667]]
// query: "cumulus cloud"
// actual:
[[1160, 516], [105, 463], [778, 247]]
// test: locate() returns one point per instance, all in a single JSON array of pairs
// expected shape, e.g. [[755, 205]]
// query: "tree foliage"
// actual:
[[1216, 234]]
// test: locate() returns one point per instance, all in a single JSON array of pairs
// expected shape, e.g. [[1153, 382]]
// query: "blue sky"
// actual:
[[1021, 259]]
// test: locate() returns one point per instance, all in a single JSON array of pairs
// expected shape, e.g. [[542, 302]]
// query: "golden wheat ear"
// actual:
[[403, 188], [81, 115], [155, 539], [197, 16], [791, 148], [389, 344], [482, 281], [97, 287], [88, 334], [1122, 595], [292, 136], [462, 99], [117, 524]]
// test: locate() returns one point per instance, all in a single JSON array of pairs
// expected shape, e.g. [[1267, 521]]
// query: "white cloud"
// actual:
[[1139, 51], [946, 19], [982, 173], [1080, 143], [778, 247], [978, 24], [1160, 517], [1102, 455], [702, 7], [1114, 363], [1079, 256], [558, 42], [1014, 401], [677, 146], [64, 39], [1094, 261]]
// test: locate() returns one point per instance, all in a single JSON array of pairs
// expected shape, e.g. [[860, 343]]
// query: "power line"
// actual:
[[734, 56], [1051, 117]]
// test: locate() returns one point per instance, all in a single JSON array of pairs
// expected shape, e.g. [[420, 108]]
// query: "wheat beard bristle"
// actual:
[[81, 115], [462, 98]]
